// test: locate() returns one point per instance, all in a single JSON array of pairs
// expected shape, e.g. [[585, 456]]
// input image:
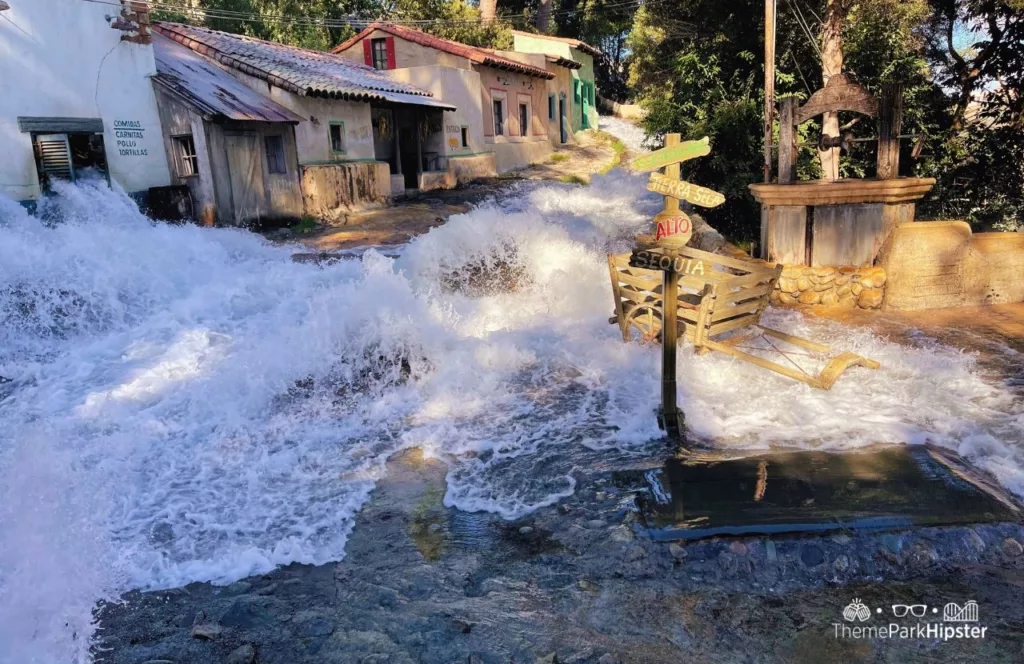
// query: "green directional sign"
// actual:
[[672, 154]]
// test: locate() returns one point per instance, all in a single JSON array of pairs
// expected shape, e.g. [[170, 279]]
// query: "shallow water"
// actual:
[[190, 404]]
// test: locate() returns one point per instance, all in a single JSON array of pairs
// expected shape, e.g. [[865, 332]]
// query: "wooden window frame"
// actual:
[[271, 170], [330, 139], [498, 117], [376, 53], [181, 159]]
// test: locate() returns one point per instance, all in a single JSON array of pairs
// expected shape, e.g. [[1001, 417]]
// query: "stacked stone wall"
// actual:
[[844, 286]]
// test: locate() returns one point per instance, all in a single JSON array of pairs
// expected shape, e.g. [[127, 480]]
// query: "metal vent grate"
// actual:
[[54, 153]]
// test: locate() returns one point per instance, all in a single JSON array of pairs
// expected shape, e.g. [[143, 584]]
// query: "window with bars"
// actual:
[[379, 49], [524, 119], [275, 154], [188, 161]]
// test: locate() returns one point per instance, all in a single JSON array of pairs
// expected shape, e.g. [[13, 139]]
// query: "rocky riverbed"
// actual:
[[578, 582]]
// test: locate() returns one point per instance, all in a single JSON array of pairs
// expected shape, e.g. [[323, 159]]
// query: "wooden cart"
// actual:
[[717, 295]]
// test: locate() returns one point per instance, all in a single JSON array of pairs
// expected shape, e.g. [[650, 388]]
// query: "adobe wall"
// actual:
[[331, 190], [936, 264]]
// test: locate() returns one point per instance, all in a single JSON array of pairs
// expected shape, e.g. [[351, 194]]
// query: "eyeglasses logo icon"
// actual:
[[916, 610]]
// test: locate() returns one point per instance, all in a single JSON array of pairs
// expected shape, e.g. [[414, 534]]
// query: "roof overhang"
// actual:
[[415, 100]]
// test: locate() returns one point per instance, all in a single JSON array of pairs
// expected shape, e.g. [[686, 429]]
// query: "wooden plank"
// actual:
[[763, 363], [840, 94], [43, 125], [890, 121], [745, 293], [735, 310], [673, 154], [685, 191], [796, 341], [788, 241], [704, 315], [734, 324], [614, 273], [644, 282], [787, 140], [847, 234]]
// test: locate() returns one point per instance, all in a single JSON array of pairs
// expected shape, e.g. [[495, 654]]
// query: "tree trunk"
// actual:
[[488, 10], [831, 64], [543, 15]]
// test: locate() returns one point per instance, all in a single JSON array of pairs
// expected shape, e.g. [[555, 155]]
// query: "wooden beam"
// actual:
[[769, 84]]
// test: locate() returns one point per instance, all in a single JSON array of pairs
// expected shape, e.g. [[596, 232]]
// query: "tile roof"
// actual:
[[563, 62], [575, 43], [297, 70], [218, 95], [474, 54]]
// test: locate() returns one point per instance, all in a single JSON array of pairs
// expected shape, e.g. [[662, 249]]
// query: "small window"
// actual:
[[275, 154], [551, 107], [379, 48], [524, 119], [576, 90], [338, 137], [188, 162], [465, 137], [499, 118]]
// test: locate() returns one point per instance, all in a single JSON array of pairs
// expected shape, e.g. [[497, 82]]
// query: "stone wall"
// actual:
[[845, 286]]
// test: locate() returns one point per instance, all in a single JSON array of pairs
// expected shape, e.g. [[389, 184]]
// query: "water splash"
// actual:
[[190, 404]]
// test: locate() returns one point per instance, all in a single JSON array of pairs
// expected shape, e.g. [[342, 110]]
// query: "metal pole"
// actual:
[[769, 84]]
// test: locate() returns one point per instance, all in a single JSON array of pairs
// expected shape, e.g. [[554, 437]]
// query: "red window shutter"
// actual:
[[391, 52], [367, 54]]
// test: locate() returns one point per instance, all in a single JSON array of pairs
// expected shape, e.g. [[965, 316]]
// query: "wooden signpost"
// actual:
[[673, 229]]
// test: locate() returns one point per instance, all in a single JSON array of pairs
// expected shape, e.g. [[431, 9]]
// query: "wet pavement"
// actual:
[[586, 581]]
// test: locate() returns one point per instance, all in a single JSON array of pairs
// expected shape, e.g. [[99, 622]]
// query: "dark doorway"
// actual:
[[408, 146], [561, 120]]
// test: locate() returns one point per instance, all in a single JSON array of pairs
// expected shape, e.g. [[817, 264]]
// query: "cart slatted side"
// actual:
[[725, 294]]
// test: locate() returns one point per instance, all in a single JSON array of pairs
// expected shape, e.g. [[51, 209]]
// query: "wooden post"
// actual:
[[890, 119], [670, 419], [769, 84], [787, 140]]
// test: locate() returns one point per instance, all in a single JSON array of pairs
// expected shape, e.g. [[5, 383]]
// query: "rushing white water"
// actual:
[[628, 132], [186, 404]]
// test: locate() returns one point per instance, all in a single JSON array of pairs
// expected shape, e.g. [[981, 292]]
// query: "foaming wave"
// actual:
[[190, 404]]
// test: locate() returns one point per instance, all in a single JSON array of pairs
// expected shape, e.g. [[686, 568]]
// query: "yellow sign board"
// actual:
[[685, 191]]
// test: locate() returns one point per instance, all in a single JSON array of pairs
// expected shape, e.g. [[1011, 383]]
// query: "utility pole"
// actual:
[[769, 84]]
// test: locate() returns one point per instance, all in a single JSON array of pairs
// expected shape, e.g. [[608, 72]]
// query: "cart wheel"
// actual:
[[644, 323]]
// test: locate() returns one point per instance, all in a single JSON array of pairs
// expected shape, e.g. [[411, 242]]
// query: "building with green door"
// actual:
[[583, 101]]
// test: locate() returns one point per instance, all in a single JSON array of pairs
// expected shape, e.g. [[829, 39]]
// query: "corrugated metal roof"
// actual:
[[474, 54], [297, 70], [209, 89]]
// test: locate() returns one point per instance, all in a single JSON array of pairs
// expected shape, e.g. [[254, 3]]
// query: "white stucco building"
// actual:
[[76, 97]]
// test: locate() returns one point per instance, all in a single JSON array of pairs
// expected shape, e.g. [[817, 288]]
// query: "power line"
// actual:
[[356, 22]]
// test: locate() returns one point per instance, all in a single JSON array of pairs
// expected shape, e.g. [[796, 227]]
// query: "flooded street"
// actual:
[[185, 405]]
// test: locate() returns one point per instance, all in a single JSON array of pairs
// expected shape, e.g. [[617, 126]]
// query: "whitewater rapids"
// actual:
[[182, 404]]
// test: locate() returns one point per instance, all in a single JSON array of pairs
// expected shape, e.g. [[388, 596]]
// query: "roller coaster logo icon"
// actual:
[[953, 612]]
